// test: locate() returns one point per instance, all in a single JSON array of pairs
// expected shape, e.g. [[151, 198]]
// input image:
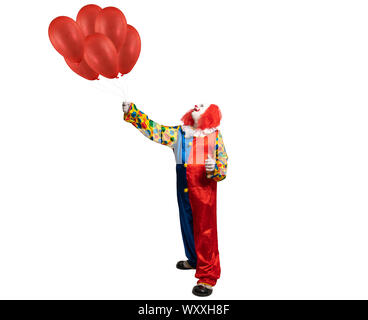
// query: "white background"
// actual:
[[88, 205]]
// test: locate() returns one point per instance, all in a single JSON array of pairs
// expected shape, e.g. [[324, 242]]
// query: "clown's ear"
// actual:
[[211, 118]]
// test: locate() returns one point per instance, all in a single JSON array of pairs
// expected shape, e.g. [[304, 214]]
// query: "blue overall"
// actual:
[[185, 210]]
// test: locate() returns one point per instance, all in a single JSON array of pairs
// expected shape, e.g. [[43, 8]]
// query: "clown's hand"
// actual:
[[126, 106], [210, 164]]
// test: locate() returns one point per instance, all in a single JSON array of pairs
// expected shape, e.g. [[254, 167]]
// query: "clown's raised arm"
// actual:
[[166, 135]]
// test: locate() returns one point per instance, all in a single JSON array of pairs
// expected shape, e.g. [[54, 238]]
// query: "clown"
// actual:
[[201, 162]]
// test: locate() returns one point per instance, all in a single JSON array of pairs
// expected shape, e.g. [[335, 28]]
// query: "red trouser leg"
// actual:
[[202, 196]]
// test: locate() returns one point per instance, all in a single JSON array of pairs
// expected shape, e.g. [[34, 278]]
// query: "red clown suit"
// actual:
[[195, 144]]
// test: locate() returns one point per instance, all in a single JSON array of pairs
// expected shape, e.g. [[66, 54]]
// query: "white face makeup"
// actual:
[[198, 110]]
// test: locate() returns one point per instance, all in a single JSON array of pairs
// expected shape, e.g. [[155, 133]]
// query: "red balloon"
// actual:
[[112, 23], [86, 18], [129, 52], [101, 55], [83, 69], [67, 38]]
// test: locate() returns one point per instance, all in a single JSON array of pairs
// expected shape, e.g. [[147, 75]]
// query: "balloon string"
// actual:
[[124, 83], [108, 86], [100, 85], [119, 87], [127, 86]]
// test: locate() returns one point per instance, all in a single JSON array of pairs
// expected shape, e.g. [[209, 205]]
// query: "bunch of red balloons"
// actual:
[[99, 42]]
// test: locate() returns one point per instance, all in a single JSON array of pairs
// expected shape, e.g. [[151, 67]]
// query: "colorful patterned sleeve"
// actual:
[[166, 135], [221, 159]]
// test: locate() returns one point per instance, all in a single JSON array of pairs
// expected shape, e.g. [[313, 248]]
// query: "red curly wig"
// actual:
[[210, 119]]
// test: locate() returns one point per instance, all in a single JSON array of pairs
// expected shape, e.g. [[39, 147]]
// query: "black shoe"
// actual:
[[202, 291], [184, 265]]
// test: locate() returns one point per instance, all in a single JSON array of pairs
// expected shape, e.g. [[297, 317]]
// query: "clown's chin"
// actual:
[[196, 115]]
